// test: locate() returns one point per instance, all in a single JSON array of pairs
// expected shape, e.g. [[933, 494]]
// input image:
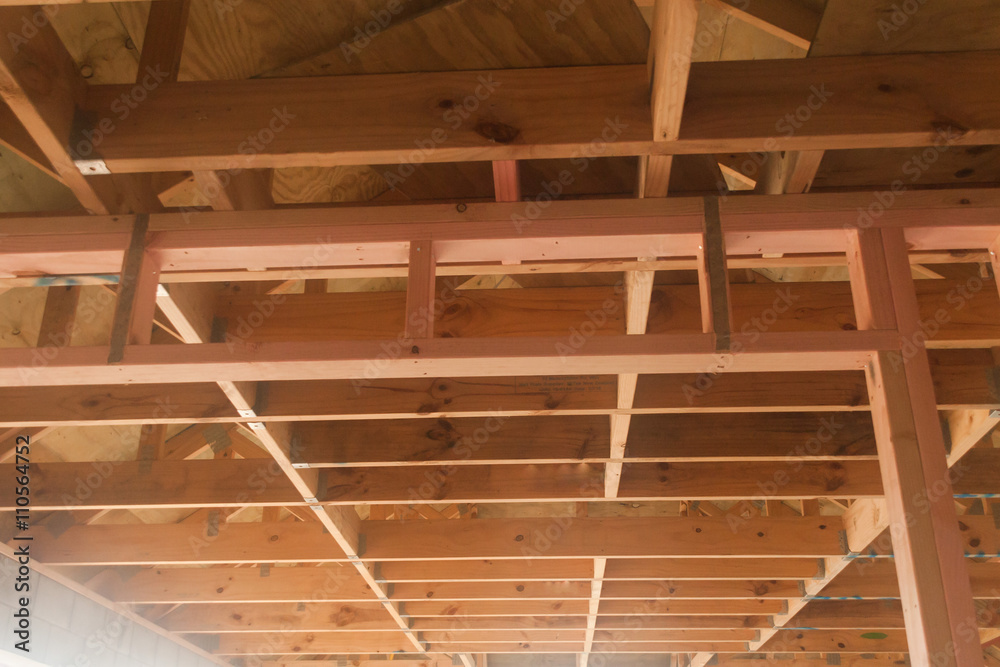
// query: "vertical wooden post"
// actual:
[[713, 281], [59, 316], [420, 291], [506, 180], [163, 43], [934, 583], [136, 307], [672, 35]]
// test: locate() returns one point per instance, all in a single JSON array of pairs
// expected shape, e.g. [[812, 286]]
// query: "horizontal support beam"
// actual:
[[668, 609], [252, 482], [963, 380], [554, 311], [584, 439], [343, 120], [291, 240], [227, 483], [448, 357], [525, 539]]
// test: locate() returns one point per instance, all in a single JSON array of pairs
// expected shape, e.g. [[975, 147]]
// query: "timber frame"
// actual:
[[654, 465]]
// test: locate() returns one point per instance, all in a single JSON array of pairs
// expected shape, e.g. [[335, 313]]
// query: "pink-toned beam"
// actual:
[[445, 357], [938, 607]]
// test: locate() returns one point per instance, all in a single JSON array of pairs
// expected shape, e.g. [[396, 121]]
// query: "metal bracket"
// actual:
[[92, 167]]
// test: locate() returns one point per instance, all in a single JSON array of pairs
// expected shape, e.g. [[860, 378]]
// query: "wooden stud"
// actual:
[[40, 84], [136, 306], [163, 45], [59, 316], [420, 291], [506, 180], [713, 279], [926, 541]]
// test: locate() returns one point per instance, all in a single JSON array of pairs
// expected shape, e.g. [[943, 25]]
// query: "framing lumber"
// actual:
[[588, 101], [933, 221], [669, 64], [622, 537], [40, 83], [235, 189], [932, 576], [961, 385], [163, 44], [788, 20], [506, 180], [136, 304]]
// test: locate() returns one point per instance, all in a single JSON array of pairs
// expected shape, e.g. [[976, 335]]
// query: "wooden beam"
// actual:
[[589, 101], [669, 65], [568, 230], [40, 84], [166, 28], [785, 19], [893, 641], [59, 317], [17, 3], [189, 308], [638, 292], [155, 484], [845, 660], [848, 350], [16, 139], [421, 296], [341, 523], [585, 439], [446, 539], [506, 180], [960, 384], [789, 172], [927, 543], [713, 279], [235, 189], [129, 616], [136, 304]]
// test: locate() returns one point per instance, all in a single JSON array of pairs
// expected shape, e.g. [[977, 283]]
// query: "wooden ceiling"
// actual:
[[548, 333]]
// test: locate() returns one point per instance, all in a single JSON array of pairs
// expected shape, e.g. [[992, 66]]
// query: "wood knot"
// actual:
[[498, 133]]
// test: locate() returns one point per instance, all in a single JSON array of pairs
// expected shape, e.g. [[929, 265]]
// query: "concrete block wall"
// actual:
[[69, 629]]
